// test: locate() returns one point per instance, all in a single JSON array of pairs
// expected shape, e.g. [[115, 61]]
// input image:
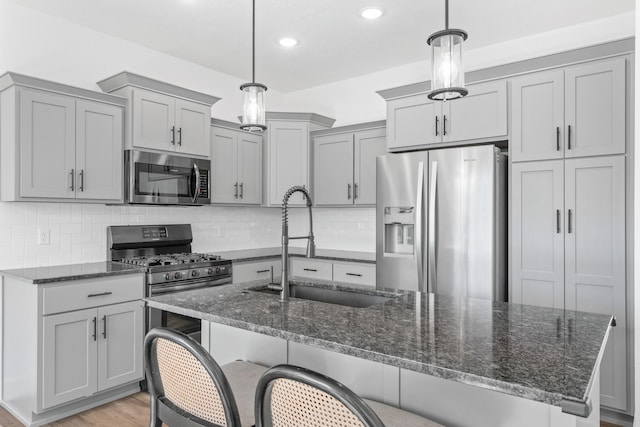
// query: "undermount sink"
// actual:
[[331, 296]]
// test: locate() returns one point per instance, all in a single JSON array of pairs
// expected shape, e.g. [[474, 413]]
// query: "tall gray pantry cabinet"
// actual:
[[568, 193]]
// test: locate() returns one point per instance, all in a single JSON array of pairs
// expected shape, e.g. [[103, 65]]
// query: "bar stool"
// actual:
[[188, 388], [289, 396]]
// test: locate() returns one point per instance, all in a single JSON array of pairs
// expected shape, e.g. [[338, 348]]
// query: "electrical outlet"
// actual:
[[44, 236]]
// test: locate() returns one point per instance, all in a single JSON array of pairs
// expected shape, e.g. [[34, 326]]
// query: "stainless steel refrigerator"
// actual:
[[441, 222]]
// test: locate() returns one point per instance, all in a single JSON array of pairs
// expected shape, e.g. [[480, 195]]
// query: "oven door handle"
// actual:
[[163, 289], [196, 171]]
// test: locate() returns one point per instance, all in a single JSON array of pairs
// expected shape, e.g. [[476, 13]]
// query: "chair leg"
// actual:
[[154, 420]]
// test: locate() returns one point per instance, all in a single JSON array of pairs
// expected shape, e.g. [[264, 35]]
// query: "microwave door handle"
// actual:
[[197, 191]]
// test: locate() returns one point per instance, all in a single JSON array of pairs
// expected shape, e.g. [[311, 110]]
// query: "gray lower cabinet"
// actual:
[[256, 270], [60, 147], [359, 273], [236, 163], [415, 121], [568, 248], [345, 166], [572, 112], [70, 345]]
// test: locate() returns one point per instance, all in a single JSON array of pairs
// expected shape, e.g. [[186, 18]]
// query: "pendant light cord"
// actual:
[[446, 14], [253, 44]]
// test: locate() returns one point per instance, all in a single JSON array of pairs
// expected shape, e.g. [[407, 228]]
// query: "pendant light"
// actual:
[[253, 106], [447, 77]]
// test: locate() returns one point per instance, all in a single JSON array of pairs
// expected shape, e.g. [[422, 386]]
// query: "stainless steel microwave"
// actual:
[[166, 179]]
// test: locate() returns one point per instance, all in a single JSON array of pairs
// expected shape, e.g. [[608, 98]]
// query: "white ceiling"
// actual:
[[335, 42]]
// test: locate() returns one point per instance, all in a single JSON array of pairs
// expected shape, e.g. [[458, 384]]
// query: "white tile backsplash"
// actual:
[[78, 231]]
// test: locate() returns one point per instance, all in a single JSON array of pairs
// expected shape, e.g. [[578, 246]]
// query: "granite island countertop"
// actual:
[[61, 273], [542, 354]]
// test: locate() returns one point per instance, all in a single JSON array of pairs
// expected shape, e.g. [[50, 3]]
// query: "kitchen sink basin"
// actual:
[[331, 296]]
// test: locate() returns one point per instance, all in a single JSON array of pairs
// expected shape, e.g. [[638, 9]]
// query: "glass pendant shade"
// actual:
[[253, 107], [447, 77]]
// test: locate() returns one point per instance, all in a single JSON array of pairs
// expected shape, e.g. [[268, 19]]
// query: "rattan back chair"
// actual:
[[186, 386], [289, 396]]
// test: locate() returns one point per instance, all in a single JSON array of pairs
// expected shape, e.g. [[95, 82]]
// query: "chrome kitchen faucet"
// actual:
[[311, 246]]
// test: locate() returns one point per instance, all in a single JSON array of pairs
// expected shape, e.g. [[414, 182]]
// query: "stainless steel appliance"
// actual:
[[165, 252], [441, 222], [164, 179]]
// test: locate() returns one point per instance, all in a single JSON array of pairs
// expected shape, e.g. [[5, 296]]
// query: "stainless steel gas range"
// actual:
[[165, 252]]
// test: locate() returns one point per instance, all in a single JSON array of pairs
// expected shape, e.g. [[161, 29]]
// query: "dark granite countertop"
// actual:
[[537, 353], [250, 255], [61, 273]]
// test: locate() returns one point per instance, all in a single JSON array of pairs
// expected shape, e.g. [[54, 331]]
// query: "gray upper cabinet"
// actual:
[[288, 155], [568, 248], [345, 166], [236, 163], [575, 112], [415, 121], [59, 144], [164, 117]]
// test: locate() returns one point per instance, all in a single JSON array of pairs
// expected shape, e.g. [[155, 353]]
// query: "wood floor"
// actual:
[[132, 411]]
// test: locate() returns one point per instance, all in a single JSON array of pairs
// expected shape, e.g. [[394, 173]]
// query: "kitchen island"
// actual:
[[461, 362]]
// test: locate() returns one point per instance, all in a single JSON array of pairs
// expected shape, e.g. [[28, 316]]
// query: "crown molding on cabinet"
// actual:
[[350, 128]]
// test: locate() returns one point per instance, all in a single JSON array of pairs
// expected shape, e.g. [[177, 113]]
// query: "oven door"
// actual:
[[166, 179]]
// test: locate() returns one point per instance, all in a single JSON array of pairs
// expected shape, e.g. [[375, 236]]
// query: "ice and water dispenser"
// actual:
[[399, 228]]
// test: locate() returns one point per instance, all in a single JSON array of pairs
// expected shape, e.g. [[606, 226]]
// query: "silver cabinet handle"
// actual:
[[558, 221], [173, 135], [355, 191], [95, 328], [104, 321], [73, 184], [418, 225], [241, 190], [101, 294], [433, 273], [236, 193], [349, 191], [81, 179], [437, 124], [444, 124], [557, 138], [354, 274], [180, 137], [196, 171], [569, 137], [569, 228]]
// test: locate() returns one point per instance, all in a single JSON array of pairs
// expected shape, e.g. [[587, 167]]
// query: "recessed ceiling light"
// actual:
[[371, 13], [287, 41]]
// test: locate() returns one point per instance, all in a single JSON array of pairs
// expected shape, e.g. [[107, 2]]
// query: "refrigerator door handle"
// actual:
[[418, 226], [432, 228]]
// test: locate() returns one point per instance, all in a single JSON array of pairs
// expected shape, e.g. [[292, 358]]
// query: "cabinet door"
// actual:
[[313, 269], [193, 128], [333, 170], [480, 114], [224, 166], [68, 357], [249, 271], [153, 120], [98, 151], [595, 100], [368, 145], [47, 145], [413, 121], [250, 168], [537, 235], [359, 273], [120, 344], [288, 160], [595, 258], [538, 117]]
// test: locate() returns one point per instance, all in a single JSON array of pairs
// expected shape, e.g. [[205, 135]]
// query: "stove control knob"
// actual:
[[167, 276], [178, 275], [195, 273], [209, 270], [218, 270]]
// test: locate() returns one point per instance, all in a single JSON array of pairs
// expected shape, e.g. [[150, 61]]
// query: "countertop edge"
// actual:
[[14, 274]]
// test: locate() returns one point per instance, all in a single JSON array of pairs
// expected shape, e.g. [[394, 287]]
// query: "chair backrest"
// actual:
[[292, 396], [184, 381]]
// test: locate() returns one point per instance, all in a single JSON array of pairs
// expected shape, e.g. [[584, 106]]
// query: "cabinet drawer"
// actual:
[[301, 267], [359, 274], [91, 293], [257, 270]]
